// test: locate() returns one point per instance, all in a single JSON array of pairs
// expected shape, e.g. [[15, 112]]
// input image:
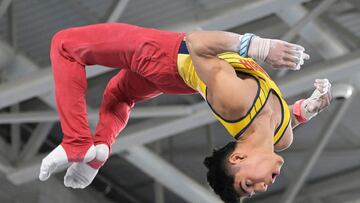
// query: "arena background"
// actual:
[[158, 158]]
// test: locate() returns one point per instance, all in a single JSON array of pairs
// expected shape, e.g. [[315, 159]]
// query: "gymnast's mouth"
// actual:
[[275, 175], [245, 192]]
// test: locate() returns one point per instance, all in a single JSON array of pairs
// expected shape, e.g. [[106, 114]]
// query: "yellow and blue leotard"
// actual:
[[245, 66]]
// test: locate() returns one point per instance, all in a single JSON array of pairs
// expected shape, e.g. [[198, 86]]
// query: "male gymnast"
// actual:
[[218, 65]]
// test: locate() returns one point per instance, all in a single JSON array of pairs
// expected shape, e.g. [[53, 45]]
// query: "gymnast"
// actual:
[[220, 66]]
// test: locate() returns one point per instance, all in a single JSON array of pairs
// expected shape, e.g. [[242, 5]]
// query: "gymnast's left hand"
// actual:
[[319, 100], [286, 55]]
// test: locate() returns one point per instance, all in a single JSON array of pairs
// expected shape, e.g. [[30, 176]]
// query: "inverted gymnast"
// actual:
[[218, 65]]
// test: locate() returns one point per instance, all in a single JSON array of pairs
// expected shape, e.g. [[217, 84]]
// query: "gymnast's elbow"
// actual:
[[196, 43]]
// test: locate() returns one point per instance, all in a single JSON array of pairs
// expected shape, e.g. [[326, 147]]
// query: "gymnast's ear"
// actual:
[[236, 157]]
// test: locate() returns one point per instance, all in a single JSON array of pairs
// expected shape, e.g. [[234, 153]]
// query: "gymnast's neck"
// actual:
[[260, 134]]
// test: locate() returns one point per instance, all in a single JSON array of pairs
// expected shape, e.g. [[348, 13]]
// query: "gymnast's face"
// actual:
[[253, 171]]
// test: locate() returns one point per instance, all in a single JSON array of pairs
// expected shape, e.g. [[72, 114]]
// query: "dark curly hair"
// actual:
[[217, 176]]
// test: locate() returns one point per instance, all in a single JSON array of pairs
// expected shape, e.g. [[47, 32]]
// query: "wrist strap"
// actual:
[[245, 44], [298, 112]]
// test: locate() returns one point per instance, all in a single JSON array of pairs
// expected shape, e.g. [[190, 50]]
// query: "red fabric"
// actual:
[[297, 111], [96, 164], [148, 57], [120, 95]]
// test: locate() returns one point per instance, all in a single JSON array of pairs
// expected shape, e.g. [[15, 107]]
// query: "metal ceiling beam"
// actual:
[[44, 192], [333, 184], [351, 137], [38, 83], [355, 3], [6, 55], [238, 15], [345, 197], [12, 192], [314, 200], [159, 192], [12, 28], [169, 176], [137, 112], [315, 152], [46, 96], [25, 172], [20, 65], [15, 134], [299, 25], [318, 10], [341, 31], [4, 147], [132, 136], [49, 99], [54, 191], [5, 165], [4, 5], [35, 141], [82, 11], [147, 134], [24, 66], [327, 45], [335, 69], [119, 9], [328, 153], [122, 190]]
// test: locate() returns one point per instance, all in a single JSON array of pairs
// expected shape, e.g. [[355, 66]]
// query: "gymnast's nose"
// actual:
[[260, 187]]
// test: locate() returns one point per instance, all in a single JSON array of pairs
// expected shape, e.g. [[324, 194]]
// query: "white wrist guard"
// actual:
[[259, 48], [306, 109]]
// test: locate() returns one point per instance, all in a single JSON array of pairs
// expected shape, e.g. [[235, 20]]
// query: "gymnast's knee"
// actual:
[[57, 48], [120, 86]]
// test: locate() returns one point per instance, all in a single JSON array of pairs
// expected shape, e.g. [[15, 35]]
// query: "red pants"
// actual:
[[148, 60]]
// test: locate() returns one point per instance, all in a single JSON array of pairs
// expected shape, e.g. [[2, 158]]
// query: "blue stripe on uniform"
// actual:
[[183, 48]]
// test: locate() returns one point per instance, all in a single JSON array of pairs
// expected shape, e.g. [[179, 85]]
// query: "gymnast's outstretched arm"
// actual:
[[277, 53], [305, 109]]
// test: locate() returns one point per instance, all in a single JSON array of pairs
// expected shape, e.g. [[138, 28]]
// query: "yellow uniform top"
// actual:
[[246, 66]]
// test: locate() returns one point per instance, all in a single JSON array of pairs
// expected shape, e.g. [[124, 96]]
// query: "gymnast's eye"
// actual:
[[248, 183]]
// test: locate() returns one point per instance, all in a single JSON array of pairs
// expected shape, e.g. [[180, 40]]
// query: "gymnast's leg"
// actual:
[[120, 95], [71, 50], [147, 52]]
